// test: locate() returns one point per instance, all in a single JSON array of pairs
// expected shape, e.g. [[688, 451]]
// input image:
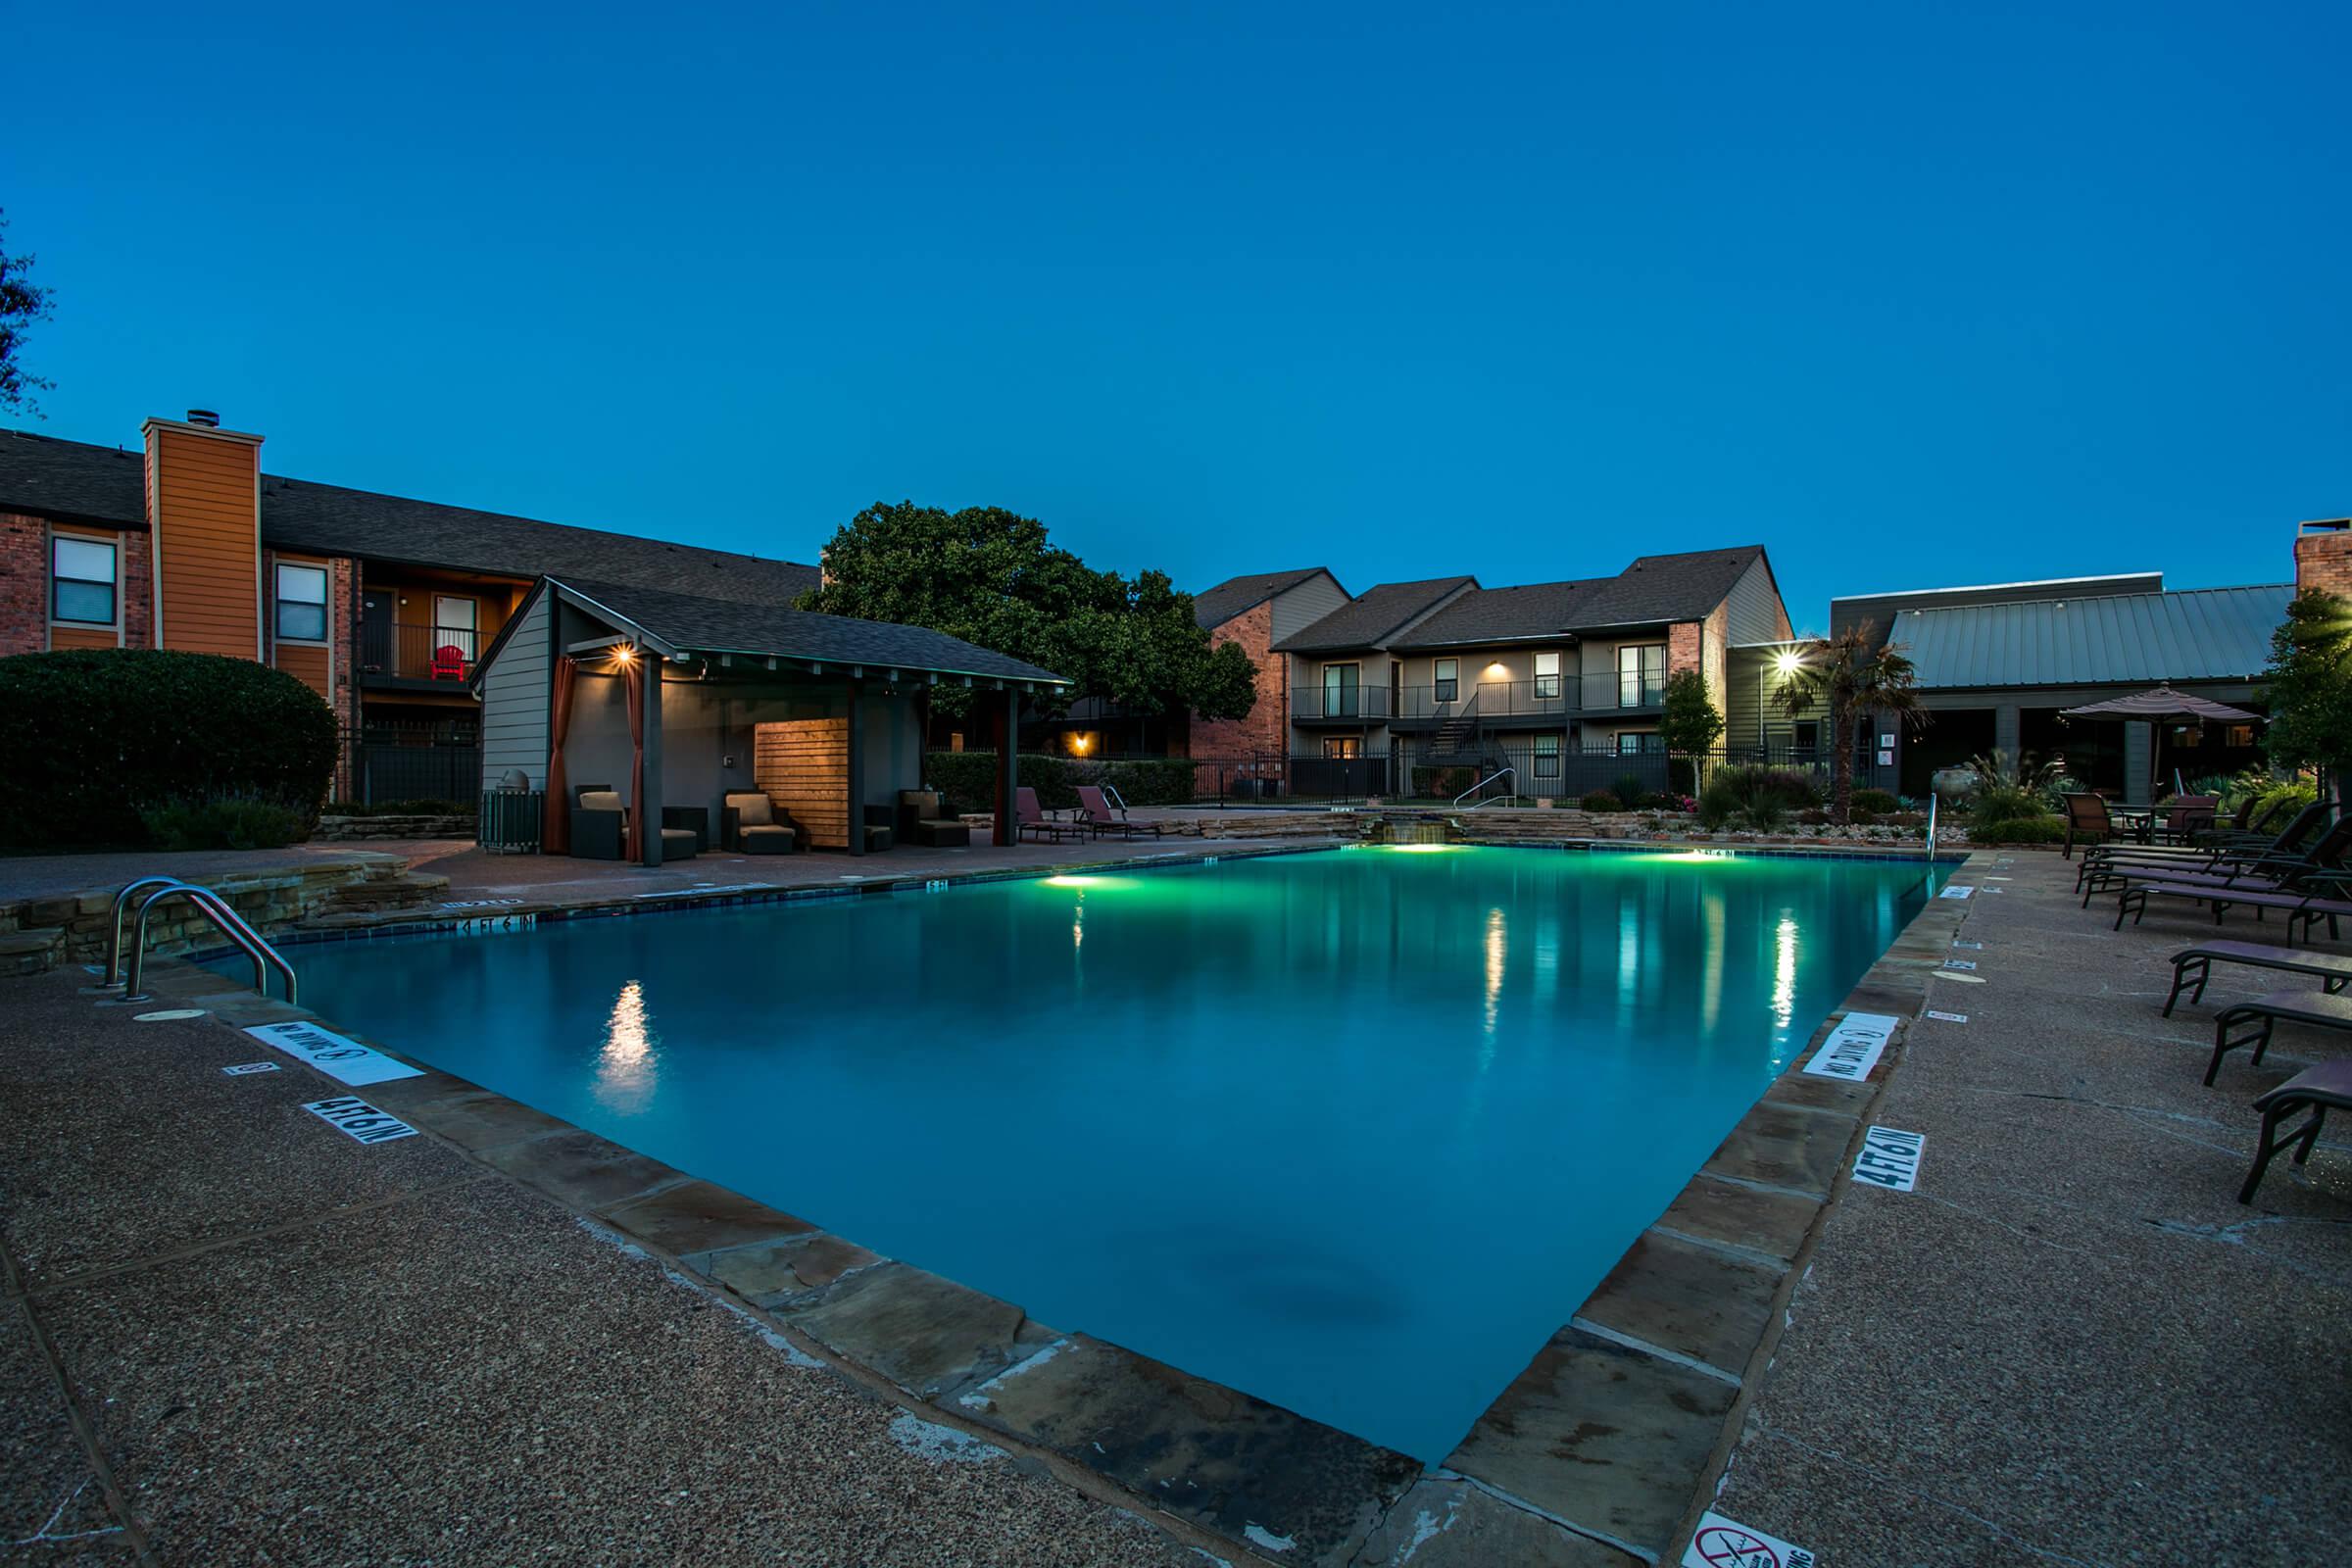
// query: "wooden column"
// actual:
[[649, 809], [857, 767], [1008, 766]]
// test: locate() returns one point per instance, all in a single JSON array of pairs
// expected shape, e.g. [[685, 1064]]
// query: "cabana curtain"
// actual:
[[556, 833]]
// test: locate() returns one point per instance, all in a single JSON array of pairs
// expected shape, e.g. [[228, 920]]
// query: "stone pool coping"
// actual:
[[1600, 1453]]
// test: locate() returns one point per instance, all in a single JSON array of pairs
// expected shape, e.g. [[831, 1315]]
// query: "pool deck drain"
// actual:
[[1605, 1451]]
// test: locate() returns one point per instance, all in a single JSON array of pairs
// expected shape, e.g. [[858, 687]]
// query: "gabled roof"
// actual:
[[1379, 613], [1214, 607], [76, 482], [1666, 588], [2116, 639], [676, 622], [1504, 614]]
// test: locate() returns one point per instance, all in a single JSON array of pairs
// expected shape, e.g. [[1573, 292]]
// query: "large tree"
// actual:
[[2308, 687], [23, 301], [991, 577], [1852, 677]]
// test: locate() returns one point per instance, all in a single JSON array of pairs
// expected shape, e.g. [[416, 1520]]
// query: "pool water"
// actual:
[[1354, 1131]]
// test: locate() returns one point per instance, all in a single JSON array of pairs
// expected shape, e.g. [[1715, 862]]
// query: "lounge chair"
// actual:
[[2319, 1090], [2270, 871], [1096, 812], [924, 820], [751, 822], [2192, 967], [2220, 844], [2257, 1020], [1030, 818], [2312, 897]]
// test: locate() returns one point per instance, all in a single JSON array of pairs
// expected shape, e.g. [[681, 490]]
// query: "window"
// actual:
[[81, 581], [2239, 735], [1807, 733], [1642, 675], [1342, 747], [1547, 757], [1636, 743], [302, 604], [1547, 677], [1448, 680], [1340, 690], [454, 623]]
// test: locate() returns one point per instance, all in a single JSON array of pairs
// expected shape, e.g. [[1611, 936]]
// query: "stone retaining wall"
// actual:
[[74, 926], [340, 829]]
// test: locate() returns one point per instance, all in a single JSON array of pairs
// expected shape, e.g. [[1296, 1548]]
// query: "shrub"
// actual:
[[2015, 830], [95, 737], [235, 823], [967, 780], [1630, 788], [1758, 797], [2004, 803], [1876, 802], [1603, 801]]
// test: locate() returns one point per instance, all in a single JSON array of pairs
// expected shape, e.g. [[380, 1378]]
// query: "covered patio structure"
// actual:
[[673, 701]]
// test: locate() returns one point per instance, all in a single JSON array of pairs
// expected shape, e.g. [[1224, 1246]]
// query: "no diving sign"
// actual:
[[1724, 1543]]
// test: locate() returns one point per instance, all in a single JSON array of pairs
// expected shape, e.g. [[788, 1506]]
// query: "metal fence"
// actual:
[[1412, 772], [423, 763]]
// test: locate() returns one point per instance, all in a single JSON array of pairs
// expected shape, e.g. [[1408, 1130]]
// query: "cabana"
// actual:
[[675, 700]]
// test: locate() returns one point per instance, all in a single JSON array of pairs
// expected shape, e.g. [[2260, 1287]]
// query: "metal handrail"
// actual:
[[113, 943], [1510, 773], [1933, 802], [232, 925]]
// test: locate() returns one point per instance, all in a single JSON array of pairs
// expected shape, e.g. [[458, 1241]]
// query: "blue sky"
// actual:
[[1910, 294]]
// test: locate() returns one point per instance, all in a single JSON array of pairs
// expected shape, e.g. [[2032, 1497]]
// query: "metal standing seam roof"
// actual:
[[2119, 639]]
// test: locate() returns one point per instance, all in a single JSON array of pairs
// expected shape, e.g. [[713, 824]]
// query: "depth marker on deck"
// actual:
[[1958, 890], [358, 1120], [1890, 1159], [1726, 1544], [1854, 1047], [1948, 1017], [344, 1059]]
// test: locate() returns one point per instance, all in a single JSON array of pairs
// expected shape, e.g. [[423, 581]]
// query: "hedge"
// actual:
[[969, 779], [95, 738]]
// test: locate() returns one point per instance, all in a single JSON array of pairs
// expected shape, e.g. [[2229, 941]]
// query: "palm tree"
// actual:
[[1853, 678]]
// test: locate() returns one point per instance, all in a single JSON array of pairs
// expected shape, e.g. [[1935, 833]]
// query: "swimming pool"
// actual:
[[1354, 1131]]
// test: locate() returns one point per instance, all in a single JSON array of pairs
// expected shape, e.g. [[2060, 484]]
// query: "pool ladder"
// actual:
[[231, 924]]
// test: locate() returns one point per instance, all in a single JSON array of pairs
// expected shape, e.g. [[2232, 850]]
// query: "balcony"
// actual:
[[1338, 705], [399, 657]]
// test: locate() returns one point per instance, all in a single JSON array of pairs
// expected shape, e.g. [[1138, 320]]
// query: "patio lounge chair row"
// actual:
[[1096, 816]]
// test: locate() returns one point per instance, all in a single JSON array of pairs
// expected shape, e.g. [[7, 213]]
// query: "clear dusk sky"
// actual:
[[1909, 294]]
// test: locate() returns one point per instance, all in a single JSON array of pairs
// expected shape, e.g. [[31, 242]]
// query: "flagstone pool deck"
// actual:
[[234, 1334]]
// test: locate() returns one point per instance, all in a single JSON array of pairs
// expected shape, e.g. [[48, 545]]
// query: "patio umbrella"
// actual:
[[2157, 704]]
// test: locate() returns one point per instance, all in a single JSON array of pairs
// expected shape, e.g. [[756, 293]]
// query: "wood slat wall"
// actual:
[[805, 764], [207, 544]]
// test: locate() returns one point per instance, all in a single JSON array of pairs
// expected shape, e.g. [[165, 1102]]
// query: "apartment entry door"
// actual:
[[376, 646]]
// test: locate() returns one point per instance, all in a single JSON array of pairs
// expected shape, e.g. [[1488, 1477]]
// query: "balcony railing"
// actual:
[[1369, 703], [400, 652]]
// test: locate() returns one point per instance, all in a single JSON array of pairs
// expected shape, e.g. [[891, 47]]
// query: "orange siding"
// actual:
[[81, 637], [805, 764], [207, 543], [306, 663]]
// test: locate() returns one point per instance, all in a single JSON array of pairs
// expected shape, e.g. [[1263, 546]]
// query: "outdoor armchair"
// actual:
[[751, 822]]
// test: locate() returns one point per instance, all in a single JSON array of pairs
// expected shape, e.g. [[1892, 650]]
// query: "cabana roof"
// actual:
[[679, 625]]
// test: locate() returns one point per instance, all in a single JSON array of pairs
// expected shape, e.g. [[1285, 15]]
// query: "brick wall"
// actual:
[[1685, 646], [23, 584], [138, 590], [1267, 728], [2324, 561]]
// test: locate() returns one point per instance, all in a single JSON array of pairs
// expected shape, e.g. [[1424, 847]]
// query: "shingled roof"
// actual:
[[1659, 588], [706, 625], [1377, 614], [72, 481], [1214, 607], [1505, 614]]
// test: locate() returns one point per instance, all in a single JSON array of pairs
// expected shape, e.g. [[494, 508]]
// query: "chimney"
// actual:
[[2324, 556], [204, 510]]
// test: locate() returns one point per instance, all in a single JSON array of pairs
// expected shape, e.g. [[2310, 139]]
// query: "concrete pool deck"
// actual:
[[1620, 1427]]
